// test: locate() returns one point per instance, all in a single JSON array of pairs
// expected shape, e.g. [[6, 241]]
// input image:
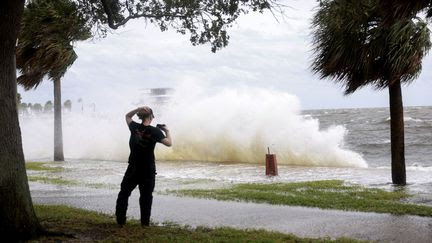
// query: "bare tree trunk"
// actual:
[[17, 216], [58, 133], [397, 134]]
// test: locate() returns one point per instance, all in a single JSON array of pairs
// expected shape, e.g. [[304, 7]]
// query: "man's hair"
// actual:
[[145, 115]]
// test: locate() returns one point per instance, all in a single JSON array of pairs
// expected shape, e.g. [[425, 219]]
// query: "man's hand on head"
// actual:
[[130, 114]]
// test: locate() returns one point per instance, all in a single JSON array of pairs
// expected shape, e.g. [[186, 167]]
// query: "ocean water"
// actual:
[[369, 133], [316, 138]]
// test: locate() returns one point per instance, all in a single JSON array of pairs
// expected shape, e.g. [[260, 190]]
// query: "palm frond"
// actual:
[[356, 45], [45, 44]]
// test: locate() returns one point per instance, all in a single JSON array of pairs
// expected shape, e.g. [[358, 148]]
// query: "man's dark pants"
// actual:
[[146, 181]]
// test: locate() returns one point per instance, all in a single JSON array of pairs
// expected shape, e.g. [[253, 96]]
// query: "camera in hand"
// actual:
[[160, 126]]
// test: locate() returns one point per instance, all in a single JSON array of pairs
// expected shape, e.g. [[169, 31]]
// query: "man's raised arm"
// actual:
[[131, 113]]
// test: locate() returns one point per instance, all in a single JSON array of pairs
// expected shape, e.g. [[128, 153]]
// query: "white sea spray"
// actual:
[[224, 125]]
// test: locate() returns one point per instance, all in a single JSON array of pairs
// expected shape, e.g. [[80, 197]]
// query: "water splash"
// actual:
[[228, 125], [237, 125]]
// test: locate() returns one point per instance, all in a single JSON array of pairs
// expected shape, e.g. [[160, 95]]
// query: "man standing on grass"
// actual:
[[141, 170]]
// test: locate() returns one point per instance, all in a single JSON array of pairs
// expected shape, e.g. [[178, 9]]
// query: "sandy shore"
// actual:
[[304, 222]]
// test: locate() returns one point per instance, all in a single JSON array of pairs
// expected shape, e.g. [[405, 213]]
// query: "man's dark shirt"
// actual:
[[142, 143]]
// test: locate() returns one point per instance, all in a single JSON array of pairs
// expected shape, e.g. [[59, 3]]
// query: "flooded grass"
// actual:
[[327, 194], [43, 166], [48, 173], [53, 180], [65, 182], [87, 226]]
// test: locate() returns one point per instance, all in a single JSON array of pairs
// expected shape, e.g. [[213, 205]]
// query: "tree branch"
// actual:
[[113, 25]]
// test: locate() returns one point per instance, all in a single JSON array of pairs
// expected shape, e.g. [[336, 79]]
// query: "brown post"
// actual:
[[271, 164]]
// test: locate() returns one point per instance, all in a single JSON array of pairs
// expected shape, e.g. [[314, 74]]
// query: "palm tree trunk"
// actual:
[[17, 216], [397, 134], [58, 133]]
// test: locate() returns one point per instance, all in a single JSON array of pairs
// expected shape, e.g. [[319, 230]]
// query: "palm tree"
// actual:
[[359, 43], [48, 30]]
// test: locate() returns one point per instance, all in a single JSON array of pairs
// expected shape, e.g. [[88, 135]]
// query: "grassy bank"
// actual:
[[87, 226], [43, 166], [65, 182], [55, 177], [329, 194]]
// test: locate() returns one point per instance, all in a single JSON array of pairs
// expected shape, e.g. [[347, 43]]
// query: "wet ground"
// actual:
[[174, 175], [305, 222]]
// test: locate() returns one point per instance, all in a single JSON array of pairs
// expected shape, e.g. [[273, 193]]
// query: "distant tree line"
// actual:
[[37, 108]]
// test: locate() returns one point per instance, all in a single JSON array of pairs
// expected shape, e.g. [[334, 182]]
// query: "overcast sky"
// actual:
[[262, 53]]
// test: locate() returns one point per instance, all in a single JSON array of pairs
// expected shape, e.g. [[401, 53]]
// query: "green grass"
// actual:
[[328, 194], [42, 166], [88, 226], [65, 182], [54, 180]]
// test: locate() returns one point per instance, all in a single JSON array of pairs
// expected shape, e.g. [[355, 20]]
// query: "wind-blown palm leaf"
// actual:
[[362, 49], [50, 60], [45, 44]]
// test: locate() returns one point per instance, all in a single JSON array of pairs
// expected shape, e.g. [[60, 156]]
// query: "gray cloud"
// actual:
[[263, 52]]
